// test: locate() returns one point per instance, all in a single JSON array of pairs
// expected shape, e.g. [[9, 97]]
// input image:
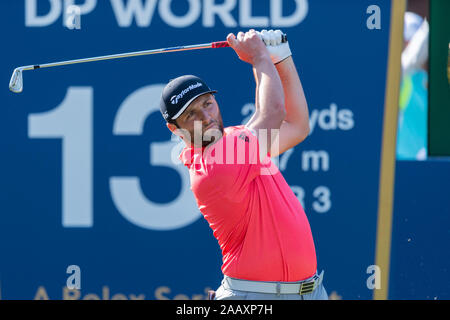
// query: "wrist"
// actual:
[[261, 60]]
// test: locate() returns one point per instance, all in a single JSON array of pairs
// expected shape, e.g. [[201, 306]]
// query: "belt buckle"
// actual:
[[307, 286]]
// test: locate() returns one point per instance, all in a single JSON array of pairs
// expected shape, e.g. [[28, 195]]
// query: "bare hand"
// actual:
[[249, 47]]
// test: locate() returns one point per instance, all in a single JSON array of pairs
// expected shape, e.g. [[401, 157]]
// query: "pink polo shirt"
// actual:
[[258, 221]]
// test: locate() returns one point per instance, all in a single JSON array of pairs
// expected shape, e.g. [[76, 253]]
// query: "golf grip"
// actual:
[[224, 44]]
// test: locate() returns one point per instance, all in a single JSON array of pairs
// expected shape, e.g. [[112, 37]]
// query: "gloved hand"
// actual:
[[278, 50]]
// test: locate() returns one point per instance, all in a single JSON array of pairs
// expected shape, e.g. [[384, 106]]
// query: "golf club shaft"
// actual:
[[218, 44], [16, 81]]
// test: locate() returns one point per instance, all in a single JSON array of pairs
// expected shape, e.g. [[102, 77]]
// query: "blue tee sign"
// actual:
[[90, 173]]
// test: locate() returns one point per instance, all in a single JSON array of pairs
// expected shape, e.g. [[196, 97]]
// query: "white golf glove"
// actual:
[[278, 50]]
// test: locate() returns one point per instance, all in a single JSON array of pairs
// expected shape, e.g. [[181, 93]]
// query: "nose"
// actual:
[[206, 117]]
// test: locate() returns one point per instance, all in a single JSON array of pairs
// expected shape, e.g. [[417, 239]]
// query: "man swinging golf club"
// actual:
[[263, 232]]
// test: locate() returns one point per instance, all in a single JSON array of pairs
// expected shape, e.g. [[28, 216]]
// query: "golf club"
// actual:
[[16, 82]]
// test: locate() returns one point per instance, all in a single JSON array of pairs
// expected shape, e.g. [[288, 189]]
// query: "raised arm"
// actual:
[[295, 127], [270, 110]]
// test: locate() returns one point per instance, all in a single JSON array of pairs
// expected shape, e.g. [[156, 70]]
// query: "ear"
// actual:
[[174, 129], [171, 127]]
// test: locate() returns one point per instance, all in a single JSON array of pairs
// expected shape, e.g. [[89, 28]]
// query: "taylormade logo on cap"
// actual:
[[175, 98]]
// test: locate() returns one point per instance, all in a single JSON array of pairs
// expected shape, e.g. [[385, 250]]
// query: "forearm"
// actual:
[[269, 103], [270, 110], [294, 97], [269, 94]]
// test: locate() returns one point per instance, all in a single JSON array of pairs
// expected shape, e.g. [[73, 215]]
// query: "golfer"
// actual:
[[263, 232]]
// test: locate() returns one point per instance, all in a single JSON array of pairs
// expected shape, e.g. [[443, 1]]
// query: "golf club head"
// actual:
[[16, 82]]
